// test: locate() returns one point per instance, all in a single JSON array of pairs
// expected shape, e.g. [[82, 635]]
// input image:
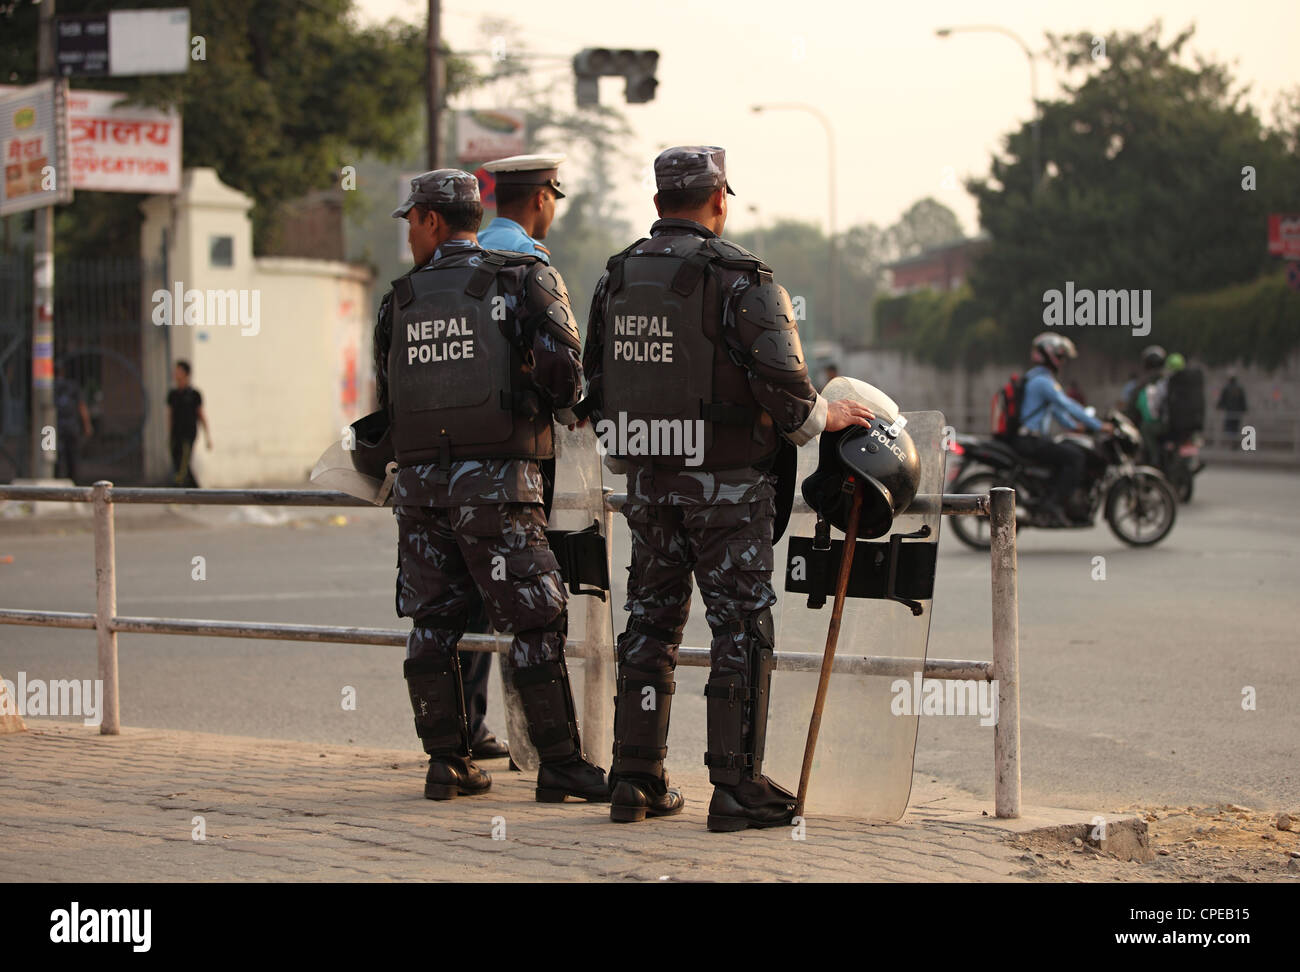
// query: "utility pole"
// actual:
[[436, 78], [43, 416]]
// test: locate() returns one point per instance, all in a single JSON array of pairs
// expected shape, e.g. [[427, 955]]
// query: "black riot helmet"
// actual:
[[881, 455], [372, 448]]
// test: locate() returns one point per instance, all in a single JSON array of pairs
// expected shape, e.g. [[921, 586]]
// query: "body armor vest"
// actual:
[[666, 363], [458, 386]]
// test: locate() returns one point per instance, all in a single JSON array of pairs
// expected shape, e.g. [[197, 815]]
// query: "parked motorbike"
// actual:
[[1137, 501]]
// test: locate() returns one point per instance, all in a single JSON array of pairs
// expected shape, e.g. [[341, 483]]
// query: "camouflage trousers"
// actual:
[[444, 553], [728, 549]]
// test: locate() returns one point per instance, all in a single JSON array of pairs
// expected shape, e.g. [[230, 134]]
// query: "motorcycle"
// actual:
[[1180, 462], [1137, 501]]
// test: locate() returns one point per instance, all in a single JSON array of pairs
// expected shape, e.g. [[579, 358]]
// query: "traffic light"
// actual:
[[636, 67]]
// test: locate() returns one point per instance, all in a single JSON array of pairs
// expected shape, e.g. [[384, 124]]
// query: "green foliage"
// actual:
[[288, 94], [1256, 322], [800, 254], [1141, 188], [943, 328]]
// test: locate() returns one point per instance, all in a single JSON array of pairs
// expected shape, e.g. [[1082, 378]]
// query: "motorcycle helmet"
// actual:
[[882, 456], [1052, 349], [1153, 357]]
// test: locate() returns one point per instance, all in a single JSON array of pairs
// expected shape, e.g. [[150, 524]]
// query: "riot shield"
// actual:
[[334, 470], [576, 533], [864, 756]]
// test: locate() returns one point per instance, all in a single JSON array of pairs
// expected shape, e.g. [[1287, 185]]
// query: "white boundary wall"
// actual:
[[274, 399]]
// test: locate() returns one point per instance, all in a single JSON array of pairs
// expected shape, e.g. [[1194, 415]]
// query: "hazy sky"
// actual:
[[907, 107]]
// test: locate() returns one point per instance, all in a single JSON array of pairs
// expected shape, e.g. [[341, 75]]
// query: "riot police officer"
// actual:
[[474, 350], [689, 330]]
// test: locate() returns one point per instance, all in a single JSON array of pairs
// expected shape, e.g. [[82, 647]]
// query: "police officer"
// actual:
[[474, 350], [527, 187], [689, 328]]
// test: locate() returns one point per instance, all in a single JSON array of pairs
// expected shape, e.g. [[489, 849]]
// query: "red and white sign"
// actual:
[[1284, 235], [482, 136], [122, 149]]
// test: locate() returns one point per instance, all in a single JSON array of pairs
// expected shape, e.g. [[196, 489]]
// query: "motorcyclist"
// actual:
[[1044, 399], [1153, 363], [1153, 409]]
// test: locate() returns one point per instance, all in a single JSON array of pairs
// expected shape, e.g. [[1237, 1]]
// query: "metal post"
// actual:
[[106, 606], [43, 412], [597, 672], [1006, 651]]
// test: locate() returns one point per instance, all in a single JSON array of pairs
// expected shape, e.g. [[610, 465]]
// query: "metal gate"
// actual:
[[98, 304]]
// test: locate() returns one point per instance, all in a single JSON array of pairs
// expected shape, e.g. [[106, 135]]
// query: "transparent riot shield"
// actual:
[[578, 535], [864, 755], [334, 470]]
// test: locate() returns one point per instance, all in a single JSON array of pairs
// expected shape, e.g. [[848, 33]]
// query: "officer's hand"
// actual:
[[842, 413], [1107, 428]]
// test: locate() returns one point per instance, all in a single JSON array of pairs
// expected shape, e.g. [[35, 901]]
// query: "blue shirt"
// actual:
[[506, 234], [1045, 399]]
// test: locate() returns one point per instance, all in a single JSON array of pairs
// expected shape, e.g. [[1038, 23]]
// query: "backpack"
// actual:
[[1008, 405]]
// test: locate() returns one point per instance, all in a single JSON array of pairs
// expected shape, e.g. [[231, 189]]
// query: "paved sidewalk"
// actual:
[[77, 806]]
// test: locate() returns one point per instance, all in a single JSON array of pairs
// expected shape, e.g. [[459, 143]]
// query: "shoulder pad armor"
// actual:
[[766, 327], [546, 291], [732, 255]]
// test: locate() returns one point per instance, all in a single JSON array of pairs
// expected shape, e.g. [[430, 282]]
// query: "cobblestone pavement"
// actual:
[[77, 806]]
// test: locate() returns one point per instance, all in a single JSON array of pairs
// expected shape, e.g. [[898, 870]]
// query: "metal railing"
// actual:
[[596, 646]]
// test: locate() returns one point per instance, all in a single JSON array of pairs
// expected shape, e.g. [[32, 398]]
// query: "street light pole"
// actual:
[[1033, 82], [830, 200], [434, 94]]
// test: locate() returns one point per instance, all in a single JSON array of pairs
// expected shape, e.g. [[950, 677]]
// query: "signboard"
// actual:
[[485, 135], [124, 42], [1284, 235], [81, 44], [123, 149], [34, 147]]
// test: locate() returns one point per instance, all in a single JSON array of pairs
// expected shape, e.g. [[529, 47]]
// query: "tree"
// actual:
[[926, 224], [1141, 188], [287, 94]]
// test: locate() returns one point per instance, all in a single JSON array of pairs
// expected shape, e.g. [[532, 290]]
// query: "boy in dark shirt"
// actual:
[[184, 416]]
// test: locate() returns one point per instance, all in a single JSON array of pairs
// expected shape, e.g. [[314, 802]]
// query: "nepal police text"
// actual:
[[433, 341], [643, 349]]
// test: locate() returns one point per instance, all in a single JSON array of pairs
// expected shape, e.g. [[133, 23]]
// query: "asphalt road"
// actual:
[[1132, 686]]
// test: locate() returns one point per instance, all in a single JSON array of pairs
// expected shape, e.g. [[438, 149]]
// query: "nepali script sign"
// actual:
[[122, 149], [33, 147]]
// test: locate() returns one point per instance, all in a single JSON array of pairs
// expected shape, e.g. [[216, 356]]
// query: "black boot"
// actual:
[[439, 705], [638, 783], [553, 728], [737, 718]]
